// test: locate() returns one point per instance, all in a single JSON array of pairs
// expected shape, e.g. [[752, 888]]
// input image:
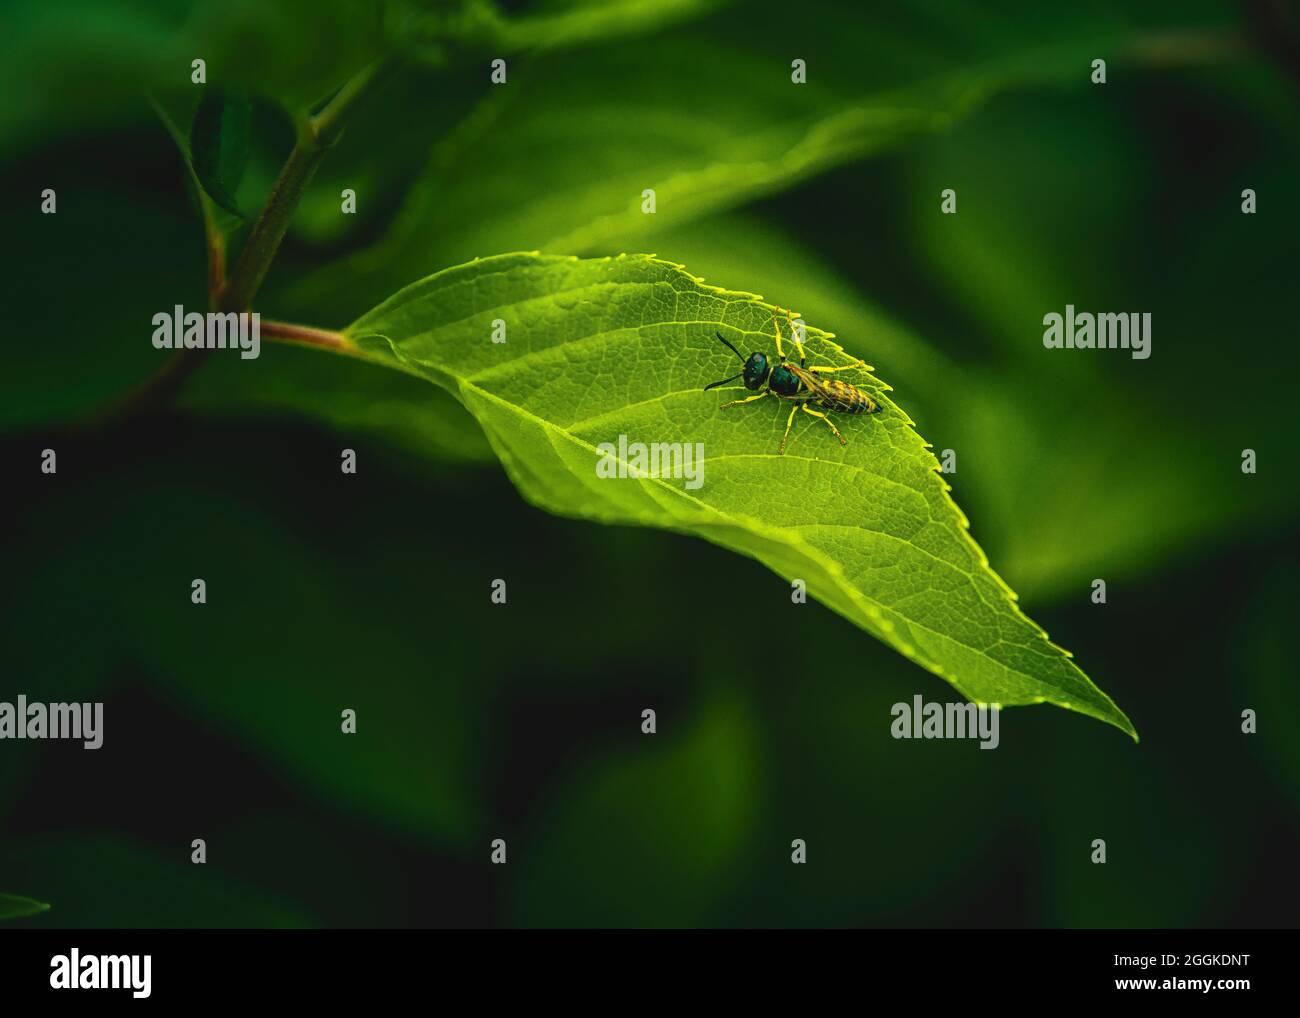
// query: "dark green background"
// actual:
[[522, 721]]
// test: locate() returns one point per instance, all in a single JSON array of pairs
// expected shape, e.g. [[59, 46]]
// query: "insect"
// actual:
[[803, 386]]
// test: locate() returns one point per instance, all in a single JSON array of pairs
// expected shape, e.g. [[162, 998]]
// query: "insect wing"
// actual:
[[814, 383], [834, 394]]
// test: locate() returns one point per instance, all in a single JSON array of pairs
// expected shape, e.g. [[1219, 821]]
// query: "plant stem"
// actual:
[[260, 248], [287, 332], [316, 135], [154, 392], [157, 390], [327, 125], [216, 261]]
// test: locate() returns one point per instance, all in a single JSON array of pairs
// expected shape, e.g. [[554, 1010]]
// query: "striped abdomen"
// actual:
[[843, 398]]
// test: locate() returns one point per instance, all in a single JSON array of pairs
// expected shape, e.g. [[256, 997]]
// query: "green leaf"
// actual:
[[14, 906], [1168, 493], [711, 128], [423, 31], [219, 144], [602, 348], [626, 126], [1056, 500], [79, 62]]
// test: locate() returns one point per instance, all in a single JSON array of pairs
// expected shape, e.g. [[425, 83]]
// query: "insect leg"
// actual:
[[829, 423], [794, 336], [777, 329], [789, 421], [823, 369], [741, 402]]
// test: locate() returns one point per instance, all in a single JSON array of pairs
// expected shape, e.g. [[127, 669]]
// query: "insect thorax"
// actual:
[[784, 382]]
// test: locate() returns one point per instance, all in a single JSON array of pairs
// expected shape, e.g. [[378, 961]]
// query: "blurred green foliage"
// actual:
[[522, 721]]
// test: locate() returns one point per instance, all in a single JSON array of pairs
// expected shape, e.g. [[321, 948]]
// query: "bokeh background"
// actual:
[[522, 721]]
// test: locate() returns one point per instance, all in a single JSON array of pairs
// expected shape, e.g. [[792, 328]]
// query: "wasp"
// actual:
[[803, 386]]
